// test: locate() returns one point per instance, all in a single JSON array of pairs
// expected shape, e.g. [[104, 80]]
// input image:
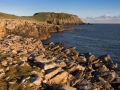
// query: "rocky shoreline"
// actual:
[[27, 64]]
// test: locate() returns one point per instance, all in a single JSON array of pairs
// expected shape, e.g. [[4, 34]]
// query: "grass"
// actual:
[[40, 17], [24, 70], [11, 16], [15, 73], [3, 84]]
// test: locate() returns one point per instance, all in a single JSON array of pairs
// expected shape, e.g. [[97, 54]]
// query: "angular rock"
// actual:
[[41, 59], [68, 87], [50, 66], [76, 67], [59, 78], [53, 73], [62, 64]]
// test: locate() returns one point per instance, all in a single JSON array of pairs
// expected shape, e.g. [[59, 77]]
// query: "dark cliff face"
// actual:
[[59, 18]]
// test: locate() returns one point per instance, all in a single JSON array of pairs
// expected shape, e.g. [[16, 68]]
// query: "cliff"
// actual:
[[39, 30], [58, 18], [49, 17]]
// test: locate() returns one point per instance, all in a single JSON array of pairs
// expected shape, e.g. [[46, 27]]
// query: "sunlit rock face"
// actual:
[[25, 28]]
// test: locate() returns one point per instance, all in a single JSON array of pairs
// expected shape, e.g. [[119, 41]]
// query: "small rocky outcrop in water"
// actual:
[[27, 64], [27, 28]]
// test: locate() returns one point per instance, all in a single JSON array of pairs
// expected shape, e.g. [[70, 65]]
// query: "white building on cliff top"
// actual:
[[58, 11]]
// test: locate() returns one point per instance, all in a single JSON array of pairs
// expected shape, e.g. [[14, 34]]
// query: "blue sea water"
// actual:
[[99, 39]]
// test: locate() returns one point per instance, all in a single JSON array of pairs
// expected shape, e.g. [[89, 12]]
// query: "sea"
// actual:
[[99, 39]]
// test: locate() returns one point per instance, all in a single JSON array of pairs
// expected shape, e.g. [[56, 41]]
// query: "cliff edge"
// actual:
[[26, 28], [58, 18]]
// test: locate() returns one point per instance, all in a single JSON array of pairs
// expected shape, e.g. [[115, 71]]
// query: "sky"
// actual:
[[90, 11]]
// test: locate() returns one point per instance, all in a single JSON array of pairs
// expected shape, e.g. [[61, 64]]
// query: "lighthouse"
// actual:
[[58, 11]]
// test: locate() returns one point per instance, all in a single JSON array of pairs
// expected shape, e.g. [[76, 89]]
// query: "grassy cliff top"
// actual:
[[53, 15], [11, 16], [41, 16], [46, 15]]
